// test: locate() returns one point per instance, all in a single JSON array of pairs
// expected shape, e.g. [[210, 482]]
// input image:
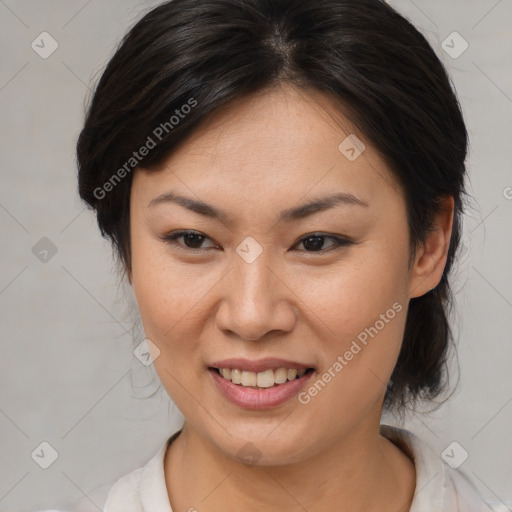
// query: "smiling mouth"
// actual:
[[261, 380]]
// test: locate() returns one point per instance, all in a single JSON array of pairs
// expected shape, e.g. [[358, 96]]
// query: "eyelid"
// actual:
[[173, 236], [340, 241]]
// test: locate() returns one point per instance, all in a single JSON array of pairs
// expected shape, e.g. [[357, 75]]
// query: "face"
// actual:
[[322, 288]]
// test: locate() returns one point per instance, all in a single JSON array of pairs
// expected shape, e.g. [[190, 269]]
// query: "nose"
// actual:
[[255, 300]]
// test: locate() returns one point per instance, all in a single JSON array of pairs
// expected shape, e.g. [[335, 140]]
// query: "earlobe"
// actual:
[[431, 256]]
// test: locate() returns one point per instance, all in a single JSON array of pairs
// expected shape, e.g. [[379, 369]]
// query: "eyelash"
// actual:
[[171, 239]]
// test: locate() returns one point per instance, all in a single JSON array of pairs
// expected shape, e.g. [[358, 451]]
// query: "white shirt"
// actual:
[[439, 488]]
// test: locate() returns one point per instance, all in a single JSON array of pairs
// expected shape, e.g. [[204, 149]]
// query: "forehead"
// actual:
[[272, 148]]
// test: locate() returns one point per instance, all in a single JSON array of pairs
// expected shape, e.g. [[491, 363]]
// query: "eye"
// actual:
[[313, 242], [192, 239]]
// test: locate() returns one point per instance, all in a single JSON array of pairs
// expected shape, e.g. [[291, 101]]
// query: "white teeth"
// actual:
[[280, 376], [265, 379], [248, 378], [236, 376]]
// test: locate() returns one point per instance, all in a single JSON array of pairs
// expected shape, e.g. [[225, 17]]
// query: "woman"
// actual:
[[283, 184]]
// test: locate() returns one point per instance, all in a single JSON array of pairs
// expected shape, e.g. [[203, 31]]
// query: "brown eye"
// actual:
[[315, 242], [191, 239]]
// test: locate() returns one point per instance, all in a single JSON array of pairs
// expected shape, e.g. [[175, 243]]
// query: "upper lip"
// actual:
[[260, 365]]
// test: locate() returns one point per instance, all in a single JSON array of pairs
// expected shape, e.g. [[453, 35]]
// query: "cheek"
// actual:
[[353, 294], [154, 285], [164, 312], [359, 316], [169, 297], [160, 286]]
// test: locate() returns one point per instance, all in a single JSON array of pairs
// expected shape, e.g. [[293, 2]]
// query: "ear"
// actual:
[[431, 256]]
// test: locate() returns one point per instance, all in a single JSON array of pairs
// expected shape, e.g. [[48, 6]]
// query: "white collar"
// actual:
[[153, 489]]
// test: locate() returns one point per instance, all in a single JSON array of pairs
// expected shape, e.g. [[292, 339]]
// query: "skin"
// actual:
[[272, 151]]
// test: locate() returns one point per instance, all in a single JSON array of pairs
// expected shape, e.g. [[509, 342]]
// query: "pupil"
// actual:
[[315, 246], [189, 237]]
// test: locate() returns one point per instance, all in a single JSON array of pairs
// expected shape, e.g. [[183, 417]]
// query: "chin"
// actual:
[[267, 443]]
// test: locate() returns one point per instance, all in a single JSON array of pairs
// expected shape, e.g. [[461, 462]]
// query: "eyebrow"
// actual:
[[290, 214]]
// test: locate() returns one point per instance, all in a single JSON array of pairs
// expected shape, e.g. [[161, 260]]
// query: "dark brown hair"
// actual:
[[186, 59]]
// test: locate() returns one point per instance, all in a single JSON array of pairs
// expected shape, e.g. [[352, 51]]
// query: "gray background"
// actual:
[[68, 375]]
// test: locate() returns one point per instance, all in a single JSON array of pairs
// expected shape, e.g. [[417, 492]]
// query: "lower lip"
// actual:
[[263, 398]]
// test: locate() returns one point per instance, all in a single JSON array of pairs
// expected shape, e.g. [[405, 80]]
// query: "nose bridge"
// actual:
[[252, 304], [252, 275]]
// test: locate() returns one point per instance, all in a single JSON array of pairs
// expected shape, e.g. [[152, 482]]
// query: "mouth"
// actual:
[[261, 380], [259, 385]]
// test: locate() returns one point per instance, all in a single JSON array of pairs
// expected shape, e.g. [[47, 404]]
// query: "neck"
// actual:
[[362, 471]]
